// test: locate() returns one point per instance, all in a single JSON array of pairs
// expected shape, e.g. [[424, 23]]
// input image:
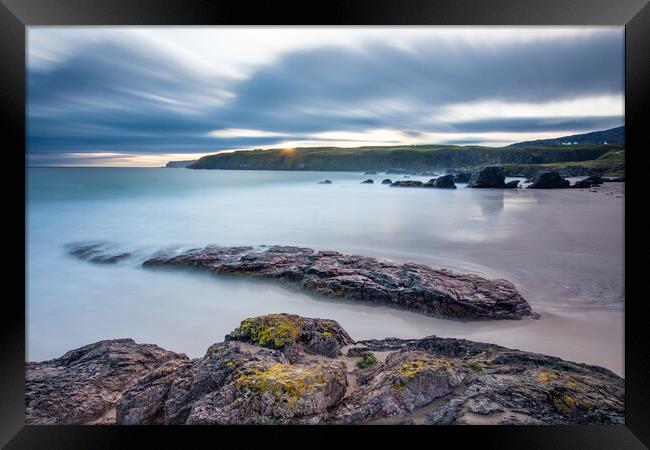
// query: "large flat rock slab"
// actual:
[[415, 287]]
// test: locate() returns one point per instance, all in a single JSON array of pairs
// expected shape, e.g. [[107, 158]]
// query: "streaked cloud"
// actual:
[[242, 133], [142, 94]]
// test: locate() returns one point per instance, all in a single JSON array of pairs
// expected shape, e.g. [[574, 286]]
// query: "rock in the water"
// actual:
[[514, 184], [462, 177], [488, 177], [416, 287], [444, 182], [549, 180], [594, 180], [97, 252], [252, 380], [387, 181], [325, 182], [407, 183], [582, 184], [84, 385], [368, 181]]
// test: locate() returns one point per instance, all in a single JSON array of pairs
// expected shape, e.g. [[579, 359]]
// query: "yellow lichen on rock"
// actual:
[[273, 330], [412, 368], [287, 382]]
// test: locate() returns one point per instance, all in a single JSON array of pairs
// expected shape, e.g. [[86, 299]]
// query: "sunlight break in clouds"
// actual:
[[137, 95]]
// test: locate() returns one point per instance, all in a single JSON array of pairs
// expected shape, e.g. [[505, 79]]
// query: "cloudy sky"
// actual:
[[140, 96]]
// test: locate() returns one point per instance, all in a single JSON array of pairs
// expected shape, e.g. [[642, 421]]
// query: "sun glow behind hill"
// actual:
[[123, 96]]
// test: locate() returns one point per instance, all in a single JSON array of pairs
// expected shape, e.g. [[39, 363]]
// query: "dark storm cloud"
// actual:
[[110, 96], [121, 97]]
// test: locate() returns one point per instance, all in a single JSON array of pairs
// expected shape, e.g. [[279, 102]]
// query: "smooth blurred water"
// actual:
[[563, 249]]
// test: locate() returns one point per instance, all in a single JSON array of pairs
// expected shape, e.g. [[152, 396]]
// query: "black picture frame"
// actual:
[[16, 15]]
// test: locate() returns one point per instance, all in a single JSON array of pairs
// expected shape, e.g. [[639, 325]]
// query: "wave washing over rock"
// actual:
[[415, 287], [287, 369]]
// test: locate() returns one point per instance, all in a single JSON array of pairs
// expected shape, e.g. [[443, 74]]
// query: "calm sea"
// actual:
[[563, 249]]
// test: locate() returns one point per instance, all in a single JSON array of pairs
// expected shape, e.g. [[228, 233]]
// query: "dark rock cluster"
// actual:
[[549, 180], [267, 372], [442, 182], [488, 177], [594, 180]]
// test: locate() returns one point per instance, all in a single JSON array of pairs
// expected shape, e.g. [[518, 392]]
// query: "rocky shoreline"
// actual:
[[287, 369], [494, 177], [414, 287]]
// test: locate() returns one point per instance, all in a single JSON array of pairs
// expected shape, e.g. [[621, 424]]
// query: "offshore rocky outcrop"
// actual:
[[462, 177], [488, 177], [549, 180], [594, 180], [415, 287], [407, 183], [269, 372], [442, 182]]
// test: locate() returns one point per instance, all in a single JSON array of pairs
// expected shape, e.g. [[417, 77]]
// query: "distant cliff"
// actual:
[[423, 157], [611, 136], [179, 164]]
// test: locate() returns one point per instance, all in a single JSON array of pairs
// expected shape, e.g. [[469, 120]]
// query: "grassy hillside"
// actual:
[[416, 158], [610, 164], [611, 136]]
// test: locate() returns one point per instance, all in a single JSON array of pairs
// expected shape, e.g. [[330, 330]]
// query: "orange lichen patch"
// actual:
[[544, 377], [565, 403]]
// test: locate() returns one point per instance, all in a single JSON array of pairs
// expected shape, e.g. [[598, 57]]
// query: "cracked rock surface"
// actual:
[[288, 369]]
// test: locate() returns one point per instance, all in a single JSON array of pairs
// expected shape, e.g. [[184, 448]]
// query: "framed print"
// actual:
[[375, 219]]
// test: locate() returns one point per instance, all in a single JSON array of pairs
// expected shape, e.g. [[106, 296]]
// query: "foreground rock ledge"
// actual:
[[415, 287], [287, 369]]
